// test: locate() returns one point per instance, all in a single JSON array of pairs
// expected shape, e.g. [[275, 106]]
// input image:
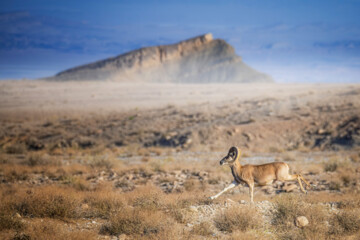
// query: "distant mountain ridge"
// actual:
[[200, 59]]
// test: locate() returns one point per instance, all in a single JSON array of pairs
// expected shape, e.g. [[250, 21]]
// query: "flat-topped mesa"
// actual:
[[198, 59], [148, 56]]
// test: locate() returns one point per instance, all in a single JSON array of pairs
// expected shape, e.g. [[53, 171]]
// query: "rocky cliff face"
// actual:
[[199, 59]]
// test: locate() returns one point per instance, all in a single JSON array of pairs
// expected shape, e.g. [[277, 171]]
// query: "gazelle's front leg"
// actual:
[[232, 185]]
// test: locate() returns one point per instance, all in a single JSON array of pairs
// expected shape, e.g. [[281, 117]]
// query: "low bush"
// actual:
[[140, 223], [51, 201], [203, 229], [242, 219]]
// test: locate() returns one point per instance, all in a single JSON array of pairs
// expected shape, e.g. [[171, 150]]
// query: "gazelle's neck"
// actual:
[[235, 170], [236, 164]]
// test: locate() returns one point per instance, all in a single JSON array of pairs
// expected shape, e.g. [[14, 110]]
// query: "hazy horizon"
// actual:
[[297, 41]]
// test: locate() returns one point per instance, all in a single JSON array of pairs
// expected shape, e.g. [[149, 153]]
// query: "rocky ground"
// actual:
[[147, 173]]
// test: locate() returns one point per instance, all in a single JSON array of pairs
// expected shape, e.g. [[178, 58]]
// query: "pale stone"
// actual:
[[301, 221]]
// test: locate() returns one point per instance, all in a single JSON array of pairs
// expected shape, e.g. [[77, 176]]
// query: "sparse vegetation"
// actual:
[[203, 229], [104, 176], [237, 219]]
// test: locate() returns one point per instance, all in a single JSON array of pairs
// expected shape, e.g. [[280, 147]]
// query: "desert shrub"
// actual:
[[14, 172], [330, 166], [17, 148], [101, 162], [102, 204], [288, 208], [51, 201], [345, 222], [81, 185], [36, 159], [52, 230], [9, 221], [148, 201], [334, 185], [136, 222], [203, 229], [146, 198], [242, 219], [333, 164]]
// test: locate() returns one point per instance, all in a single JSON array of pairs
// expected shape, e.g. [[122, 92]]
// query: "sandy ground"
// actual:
[[40, 97]]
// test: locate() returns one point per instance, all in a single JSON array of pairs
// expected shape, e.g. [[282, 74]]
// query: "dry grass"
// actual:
[[17, 148], [8, 221], [49, 229], [50, 201], [143, 211], [322, 224], [345, 222], [202, 229], [140, 223], [101, 204], [233, 219]]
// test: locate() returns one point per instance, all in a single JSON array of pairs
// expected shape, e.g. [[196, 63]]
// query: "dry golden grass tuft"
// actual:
[[288, 207], [202, 229], [48, 201], [322, 224], [50, 229], [140, 223], [10, 221], [147, 197], [102, 203], [242, 219], [41, 159], [345, 222], [17, 148]]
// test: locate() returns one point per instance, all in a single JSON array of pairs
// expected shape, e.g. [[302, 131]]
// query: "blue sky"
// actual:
[[292, 40]]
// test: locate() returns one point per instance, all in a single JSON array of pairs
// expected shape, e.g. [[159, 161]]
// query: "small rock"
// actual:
[[301, 221], [17, 215], [242, 202], [122, 237], [93, 222], [84, 206], [193, 209], [189, 225]]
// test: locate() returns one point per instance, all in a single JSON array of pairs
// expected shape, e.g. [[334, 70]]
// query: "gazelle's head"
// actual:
[[232, 156]]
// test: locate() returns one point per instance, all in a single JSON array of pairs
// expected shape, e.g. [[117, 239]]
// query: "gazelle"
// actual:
[[261, 175]]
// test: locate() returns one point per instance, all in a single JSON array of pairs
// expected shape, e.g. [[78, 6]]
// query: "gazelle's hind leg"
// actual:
[[283, 175], [298, 177]]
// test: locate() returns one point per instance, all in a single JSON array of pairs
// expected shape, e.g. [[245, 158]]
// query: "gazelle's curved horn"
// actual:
[[237, 152]]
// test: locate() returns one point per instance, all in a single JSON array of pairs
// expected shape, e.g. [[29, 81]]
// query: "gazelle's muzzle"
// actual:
[[224, 161]]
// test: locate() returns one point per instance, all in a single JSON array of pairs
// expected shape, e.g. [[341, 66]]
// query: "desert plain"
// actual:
[[110, 160]]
